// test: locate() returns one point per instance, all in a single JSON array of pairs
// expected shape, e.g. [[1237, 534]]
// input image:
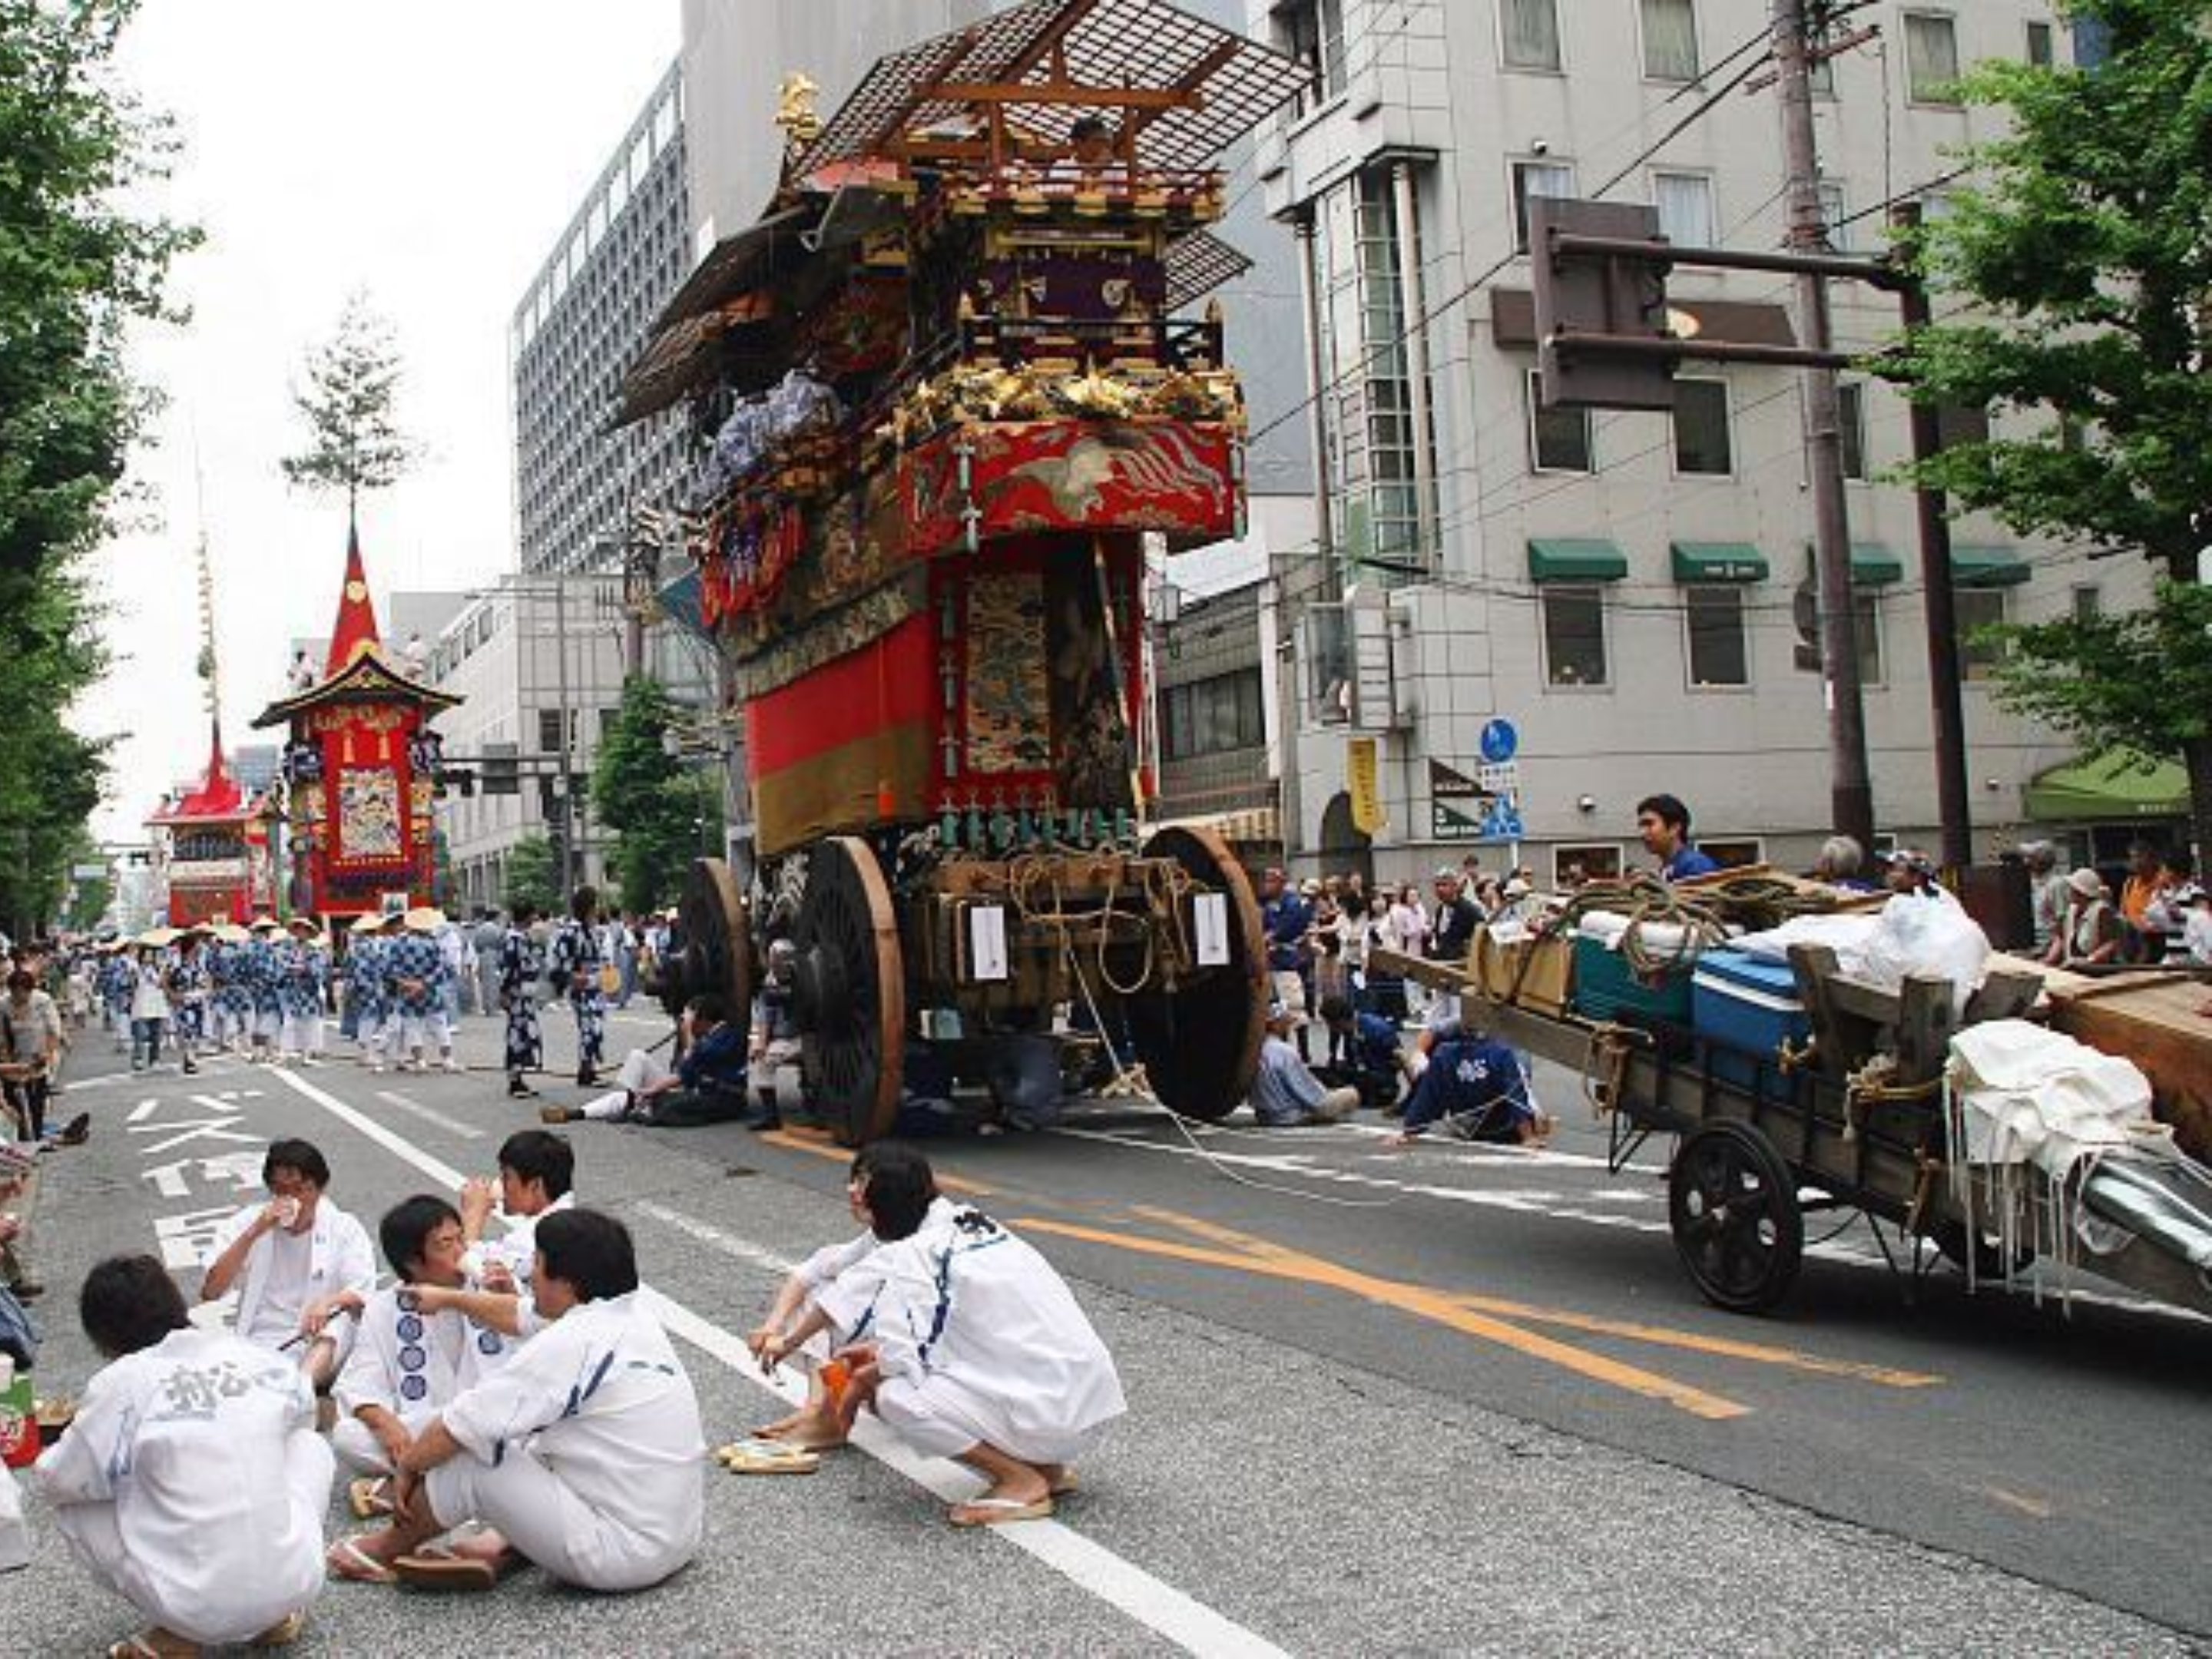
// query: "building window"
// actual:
[[1685, 201], [1866, 620], [1979, 608], [1737, 852], [1530, 180], [2042, 47], [1574, 633], [1573, 865], [1834, 217], [549, 731], [1931, 59], [1531, 33], [1702, 445], [1956, 425], [1213, 716], [1670, 40], [1313, 32], [2088, 602], [2092, 42], [1851, 400], [1720, 655], [1559, 440]]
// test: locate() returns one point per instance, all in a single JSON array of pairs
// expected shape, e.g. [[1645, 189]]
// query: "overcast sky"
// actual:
[[429, 153]]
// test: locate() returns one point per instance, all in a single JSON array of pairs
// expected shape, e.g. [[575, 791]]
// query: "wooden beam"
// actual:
[[1194, 82], [1064, 92]]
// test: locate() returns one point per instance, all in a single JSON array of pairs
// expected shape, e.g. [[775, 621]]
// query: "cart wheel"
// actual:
[[1201, 1044], [717, 956], [848, 990], [1733, 1205]]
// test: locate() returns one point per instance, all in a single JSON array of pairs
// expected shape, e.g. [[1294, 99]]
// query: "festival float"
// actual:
[[360, 769], [953, 381]]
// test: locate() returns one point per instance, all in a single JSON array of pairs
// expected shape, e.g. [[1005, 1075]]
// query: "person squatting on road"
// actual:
[[1285, 1094], [583, 1453], [707, 1084], [963, 1339], [192, 1483]]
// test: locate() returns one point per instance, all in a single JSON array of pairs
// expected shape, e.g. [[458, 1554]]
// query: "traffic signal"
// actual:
[[502, 770], [1586, 302]]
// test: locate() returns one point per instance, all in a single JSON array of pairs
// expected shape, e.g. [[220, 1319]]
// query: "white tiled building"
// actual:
[[1620, 586]]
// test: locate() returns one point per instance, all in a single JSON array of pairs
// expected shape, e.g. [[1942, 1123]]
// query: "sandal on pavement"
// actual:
[[350, 1561], [437, 1567], [367, 1497], [759, 1457], [996, 1511], [154, 1642], [285, 1631]]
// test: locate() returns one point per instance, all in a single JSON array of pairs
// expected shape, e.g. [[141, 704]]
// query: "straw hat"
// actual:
[[2087, 882], [424, 919], [308, 922], [230, 932], [267, 922], [158, 938]]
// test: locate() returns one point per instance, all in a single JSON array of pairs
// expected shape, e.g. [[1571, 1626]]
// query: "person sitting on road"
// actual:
[[192, 1482], [708, 1085], [1285, 1094], [1475, 1088], [408, 1363], [583, 1454], [537, 1178], [821, 1423], [1364, 1051], [968, 1345], [773, 1044], [302, 1266]]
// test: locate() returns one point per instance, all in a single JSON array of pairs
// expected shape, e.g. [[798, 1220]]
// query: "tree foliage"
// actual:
[[77, 268], [661, 814], [530, 878], [355, 443]]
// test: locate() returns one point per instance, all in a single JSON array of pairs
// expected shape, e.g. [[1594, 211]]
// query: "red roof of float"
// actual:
[[220, 797], [354, 633]]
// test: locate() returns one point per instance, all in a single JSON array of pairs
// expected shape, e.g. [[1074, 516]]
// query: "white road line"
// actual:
[[452, 1126], [1087, 1564]]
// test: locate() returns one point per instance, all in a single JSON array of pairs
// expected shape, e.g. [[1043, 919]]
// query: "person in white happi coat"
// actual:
[[536, 1175], [302, 1266], [584, 1453], [408, 1363], [193, 1482], [826, 1421], [969, 1345]]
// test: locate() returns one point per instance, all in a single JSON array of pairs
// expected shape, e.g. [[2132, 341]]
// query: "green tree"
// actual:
[[355, 443], [530, 878], [77, 268], [2080, 238], [662, 815]]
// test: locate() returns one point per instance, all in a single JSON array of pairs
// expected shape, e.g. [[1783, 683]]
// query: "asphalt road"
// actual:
[[1444, 1400]]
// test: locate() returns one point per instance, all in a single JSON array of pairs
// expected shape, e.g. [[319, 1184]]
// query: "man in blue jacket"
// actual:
[[1475, 1088], [708, 1085]]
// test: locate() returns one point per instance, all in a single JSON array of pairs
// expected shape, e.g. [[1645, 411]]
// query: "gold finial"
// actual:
[[794, 108]]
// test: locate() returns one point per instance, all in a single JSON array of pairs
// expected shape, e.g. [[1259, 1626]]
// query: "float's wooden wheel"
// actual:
[[717, 953], [1732, 1203], [849, 990], [1200, 1044]]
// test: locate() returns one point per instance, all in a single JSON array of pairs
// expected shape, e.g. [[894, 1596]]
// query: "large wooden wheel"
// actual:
[[716, 957], [1200, 1043], [1732, 1203], [849, 990]]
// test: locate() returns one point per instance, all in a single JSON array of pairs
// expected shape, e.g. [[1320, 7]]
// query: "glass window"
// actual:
[[1531, 33], [1834, 216], [1670, 40], [1573, 865], [1313, 31], [1559, 440], [2088, 602], [1574, 633], [549, 731], [2042, 49], [1979, 608], [1853, 402], [1954, 425], [1685, 201], [1534, 179], [1931, 59], [1720, 653], [1866, 617], [1702, 445]]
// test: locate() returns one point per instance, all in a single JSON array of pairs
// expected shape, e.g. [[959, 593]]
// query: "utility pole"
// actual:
[[1953, 801], [1850, 784]]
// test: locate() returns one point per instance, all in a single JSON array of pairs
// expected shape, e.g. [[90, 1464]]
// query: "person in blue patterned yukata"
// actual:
[[577, 959], [303, 970], [188, 996], [365, 986], [117, 979], [522, 970], [230, 998], [415, 976], [263, 975]]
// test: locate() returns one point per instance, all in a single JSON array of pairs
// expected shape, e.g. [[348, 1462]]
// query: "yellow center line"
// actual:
[[819, 1144], [1596, 1325], [1423, 1303]]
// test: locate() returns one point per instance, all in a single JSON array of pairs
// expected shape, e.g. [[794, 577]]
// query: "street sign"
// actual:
[[1499, 742], [1457, 805]]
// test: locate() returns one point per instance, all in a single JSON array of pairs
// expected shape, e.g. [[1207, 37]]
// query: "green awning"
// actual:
[[1987, 567], [1576, 561], [1718, 562], [1872, 565], [2108, 788]]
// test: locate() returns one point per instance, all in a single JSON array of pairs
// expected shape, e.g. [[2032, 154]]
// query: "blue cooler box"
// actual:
[[1749, 1005]]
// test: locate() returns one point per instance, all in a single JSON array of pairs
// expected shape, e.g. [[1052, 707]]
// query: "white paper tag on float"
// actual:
[[1210, 916], [987, 944]]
